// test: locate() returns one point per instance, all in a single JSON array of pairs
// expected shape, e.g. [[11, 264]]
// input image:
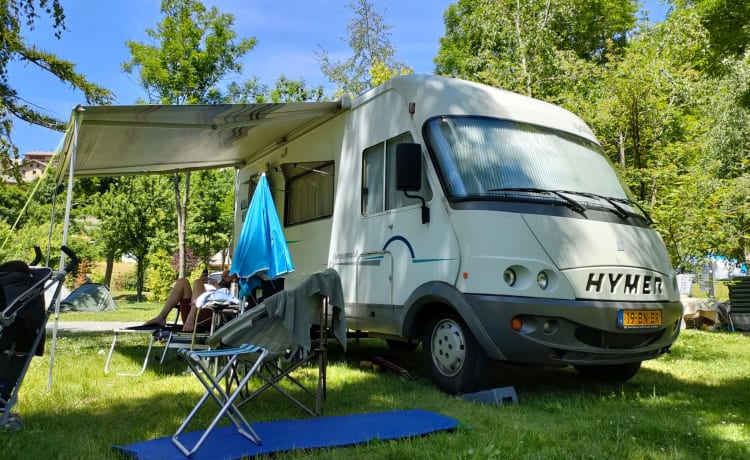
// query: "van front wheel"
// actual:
[[452, 356]]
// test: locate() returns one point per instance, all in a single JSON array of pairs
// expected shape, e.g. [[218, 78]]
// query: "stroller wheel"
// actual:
[[12, 423]]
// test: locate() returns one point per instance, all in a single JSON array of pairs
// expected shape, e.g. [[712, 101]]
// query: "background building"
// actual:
[[31, 166]]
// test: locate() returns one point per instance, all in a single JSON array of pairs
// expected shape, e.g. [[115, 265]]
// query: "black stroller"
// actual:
[[23, 321]]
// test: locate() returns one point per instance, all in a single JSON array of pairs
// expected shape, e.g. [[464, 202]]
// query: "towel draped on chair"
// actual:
[[296, 321]]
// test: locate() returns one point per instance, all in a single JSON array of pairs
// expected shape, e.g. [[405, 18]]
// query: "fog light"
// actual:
[[509, 276], [541, 280], [516, 323]]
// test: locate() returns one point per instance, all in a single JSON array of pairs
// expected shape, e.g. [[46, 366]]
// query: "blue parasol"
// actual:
[[261, 248]]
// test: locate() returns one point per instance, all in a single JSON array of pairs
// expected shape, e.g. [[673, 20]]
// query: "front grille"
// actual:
[[614, 340]]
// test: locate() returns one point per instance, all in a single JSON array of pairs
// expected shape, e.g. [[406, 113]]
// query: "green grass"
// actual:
[[693, 403]]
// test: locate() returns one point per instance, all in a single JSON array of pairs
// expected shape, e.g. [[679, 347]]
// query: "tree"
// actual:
[[727, 154], [12, 199], [212, 195], [285, 90], [369, 41], [533, 47], [728, 25], [648, 115], [26, 208], [677, 133], [195, 48], [15, 16], [130, 215], [289, 90]]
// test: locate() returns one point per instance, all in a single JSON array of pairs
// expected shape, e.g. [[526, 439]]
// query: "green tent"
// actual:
[[88, 297]]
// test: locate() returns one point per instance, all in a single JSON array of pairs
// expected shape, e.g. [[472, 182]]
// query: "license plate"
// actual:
[[632, 319]]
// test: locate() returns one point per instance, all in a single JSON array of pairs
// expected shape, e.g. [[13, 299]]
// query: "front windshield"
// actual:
[[479, 157]]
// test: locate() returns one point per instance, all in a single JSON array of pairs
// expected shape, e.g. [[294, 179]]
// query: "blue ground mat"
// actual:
[[286, 435]]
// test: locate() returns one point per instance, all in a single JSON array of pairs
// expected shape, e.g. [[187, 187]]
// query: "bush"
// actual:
[[159, 276], [125, 281], [82, 272], [97, 277]]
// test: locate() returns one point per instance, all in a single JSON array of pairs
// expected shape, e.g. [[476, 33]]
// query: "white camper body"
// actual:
[[527, 248]]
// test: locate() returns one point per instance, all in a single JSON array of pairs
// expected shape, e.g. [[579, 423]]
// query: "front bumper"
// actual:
[[572, 332]]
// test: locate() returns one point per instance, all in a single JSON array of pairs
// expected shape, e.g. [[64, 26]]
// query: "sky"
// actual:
[[289, 33]]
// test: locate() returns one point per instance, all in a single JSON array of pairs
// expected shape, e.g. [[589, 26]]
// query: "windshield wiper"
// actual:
[[573, 204], [637, 205], [621, 213]]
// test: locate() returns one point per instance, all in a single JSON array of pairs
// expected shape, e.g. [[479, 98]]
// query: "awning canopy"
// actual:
[[150, 139]]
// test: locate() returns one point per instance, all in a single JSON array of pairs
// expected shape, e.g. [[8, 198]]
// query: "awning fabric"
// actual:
[[150, 139]]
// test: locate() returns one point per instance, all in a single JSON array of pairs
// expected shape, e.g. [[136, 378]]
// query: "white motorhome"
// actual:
[[485, 224]]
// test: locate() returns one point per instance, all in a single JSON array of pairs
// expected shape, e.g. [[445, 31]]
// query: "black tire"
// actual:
[[452, 357], [399, 345], [609, 372]]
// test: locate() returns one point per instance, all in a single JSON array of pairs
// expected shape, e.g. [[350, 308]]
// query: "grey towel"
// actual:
[[296, 309]]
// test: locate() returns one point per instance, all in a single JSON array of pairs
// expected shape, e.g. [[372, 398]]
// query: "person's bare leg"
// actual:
[[190, 319], [180, 290]]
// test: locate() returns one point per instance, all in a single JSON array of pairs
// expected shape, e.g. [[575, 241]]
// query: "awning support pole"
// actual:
[[66, 225]]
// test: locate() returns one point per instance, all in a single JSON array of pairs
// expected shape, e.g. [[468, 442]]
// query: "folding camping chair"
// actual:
[[269, 341]]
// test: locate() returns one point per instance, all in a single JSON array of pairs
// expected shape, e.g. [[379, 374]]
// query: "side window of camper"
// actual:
[[373, 180], [379, 178], [309, 195]]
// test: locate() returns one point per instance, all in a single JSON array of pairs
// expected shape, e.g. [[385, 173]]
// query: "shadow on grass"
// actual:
[[653, 410], [129, 297], [657, 411]]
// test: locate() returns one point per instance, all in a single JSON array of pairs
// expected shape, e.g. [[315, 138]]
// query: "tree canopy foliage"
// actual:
[[373, 56], [669, 101], [193, 49], [534, 47], [17, 16]]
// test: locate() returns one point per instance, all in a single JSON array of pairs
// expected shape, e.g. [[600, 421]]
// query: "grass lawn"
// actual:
[[693, 403]]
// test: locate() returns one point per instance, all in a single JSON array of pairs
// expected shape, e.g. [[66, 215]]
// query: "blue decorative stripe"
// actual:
[[421, 261], [400, 238]]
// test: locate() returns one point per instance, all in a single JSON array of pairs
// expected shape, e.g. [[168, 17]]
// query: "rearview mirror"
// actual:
[[408, 167]]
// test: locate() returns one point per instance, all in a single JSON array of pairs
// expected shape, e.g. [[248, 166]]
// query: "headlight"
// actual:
[[542, 280]]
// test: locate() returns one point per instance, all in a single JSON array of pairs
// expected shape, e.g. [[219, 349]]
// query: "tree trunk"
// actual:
[[181, 205], [139, 279], [635, 127], [109, 268], [522, 50]]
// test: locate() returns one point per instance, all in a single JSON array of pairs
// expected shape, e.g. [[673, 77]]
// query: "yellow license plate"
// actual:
[[639, 318]]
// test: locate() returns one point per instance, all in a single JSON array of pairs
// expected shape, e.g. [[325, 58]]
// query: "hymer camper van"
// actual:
[[484, 224]]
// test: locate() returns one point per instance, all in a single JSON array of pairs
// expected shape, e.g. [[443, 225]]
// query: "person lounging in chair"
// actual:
[[184, 296]]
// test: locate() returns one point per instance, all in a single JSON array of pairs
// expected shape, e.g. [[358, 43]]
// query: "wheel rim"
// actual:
[[448, 347]]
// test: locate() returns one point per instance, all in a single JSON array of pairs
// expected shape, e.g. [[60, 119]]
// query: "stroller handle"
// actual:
[[73, 262], [69, 267], [37, 256]]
